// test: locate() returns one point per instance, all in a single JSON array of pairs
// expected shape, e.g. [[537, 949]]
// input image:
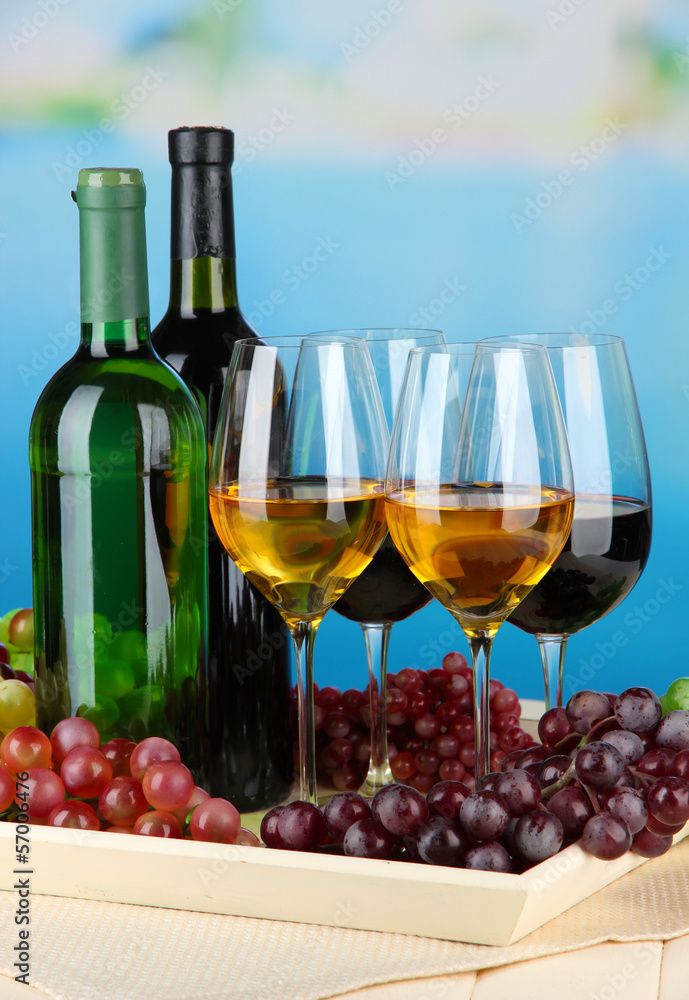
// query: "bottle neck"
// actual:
[[107, 340], [114, 279], [202, 238], [207, 283]]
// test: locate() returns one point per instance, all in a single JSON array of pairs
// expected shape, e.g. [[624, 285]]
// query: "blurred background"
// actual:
[[479, 168]]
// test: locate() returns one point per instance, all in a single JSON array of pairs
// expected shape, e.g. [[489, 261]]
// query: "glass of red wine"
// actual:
[[479, 489], [610, 538], [387, 591], [296, 484]]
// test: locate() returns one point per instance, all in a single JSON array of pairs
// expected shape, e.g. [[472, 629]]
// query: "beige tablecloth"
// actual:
[[91, 950]]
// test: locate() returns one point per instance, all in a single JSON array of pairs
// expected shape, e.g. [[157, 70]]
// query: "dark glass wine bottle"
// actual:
[[118, 455], [249, 680]]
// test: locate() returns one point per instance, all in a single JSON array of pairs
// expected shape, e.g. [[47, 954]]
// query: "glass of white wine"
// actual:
[[296, 485], [479, 488]]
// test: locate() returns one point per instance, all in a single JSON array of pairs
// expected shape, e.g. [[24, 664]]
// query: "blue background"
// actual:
[[356, 143]]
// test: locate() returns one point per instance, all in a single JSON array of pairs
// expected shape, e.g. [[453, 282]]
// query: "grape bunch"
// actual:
[[430, 728], [72, 780], [611, 773]]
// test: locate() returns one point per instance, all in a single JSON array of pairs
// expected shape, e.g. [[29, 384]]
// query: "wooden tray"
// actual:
[[425, 900]]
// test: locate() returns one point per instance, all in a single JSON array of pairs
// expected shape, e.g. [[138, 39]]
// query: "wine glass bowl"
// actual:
[[479, 487], [296, 485], [610, 538]]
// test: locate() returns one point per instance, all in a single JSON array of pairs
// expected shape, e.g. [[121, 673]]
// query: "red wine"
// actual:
[[386, 591], [249, 645], [602, 559]]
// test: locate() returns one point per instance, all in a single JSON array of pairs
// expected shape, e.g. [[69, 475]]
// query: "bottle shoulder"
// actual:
[[89, 394]]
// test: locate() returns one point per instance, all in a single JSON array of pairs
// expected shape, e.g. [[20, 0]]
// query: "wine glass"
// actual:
[[387, 591], [610, 536], [479, 488], [296, 485]]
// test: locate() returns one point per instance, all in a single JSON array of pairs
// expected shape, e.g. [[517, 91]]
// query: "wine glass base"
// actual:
[[375, 780]]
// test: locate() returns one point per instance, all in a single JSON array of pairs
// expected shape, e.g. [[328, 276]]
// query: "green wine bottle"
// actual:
[[249, 645], [119, 514]]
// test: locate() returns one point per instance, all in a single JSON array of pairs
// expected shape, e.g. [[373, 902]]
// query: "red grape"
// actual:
[[73, 732], [152, 750], [167, 785], [215, 820], [85, 772], [25, 747], [74, 814], [122, 801], [158, 823]]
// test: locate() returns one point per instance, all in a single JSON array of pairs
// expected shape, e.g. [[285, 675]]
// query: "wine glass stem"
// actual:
[[480, 646], [304, 636], [552, 649], [379, 774]]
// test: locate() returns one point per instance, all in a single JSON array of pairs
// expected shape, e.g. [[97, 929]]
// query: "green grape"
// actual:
[[104, 714], [17, 705], [130, 646], [678, 695], [114, 678]]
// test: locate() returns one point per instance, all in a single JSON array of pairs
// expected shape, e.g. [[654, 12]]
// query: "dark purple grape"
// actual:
[[269, 828], [487, 784], [585, 708], [538, 835], [490, 856], [680, 764], [552, 769], [573, 808], [654, 825], [445, 798], [441, 841], [400, 809], [553, 726], [627, 803], [629, 744], [367, 838], [519, 789], [638, 709], [650, 845], [606, 836], [673, 731], [657, 762], [301, 826], [509, 760], [599, 765], [625, 780], [6, 672], [342, 810], [534, 755], [668, 800], [484, 815]]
